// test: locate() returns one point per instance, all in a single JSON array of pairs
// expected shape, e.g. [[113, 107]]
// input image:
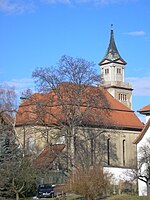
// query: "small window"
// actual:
[[118, 71], [107, 71]]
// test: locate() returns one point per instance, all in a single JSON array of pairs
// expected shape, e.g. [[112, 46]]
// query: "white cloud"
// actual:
[[21, 6], [90, 1], [20, 85], [15, 6], [57, 1], [136, 33], [141, 85], [105, 2]]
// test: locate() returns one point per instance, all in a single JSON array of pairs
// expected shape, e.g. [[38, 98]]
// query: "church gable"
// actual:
[[146, 129], [144, 133]]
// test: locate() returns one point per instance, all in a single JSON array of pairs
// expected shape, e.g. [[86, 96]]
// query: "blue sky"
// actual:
[[36, 33]]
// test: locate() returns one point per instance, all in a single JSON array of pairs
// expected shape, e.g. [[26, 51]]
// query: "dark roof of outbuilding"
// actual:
[[48, 155]]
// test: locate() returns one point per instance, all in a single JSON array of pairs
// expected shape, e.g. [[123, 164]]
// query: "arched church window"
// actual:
[[108, 151], [92, 151], [123, 151]]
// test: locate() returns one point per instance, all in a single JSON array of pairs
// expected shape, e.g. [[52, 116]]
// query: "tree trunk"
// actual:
[[17, 196], [89, 197], [72, 147]]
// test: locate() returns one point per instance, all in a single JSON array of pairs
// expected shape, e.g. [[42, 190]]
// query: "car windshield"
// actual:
[[45, 187]]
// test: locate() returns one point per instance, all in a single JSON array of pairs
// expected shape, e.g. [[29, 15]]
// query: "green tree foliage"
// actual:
[[17, 176]]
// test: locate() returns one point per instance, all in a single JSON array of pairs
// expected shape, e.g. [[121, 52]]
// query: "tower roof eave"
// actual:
[[108, 61]]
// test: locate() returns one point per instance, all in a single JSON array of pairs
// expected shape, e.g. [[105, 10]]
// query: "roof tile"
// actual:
[[103, 110]]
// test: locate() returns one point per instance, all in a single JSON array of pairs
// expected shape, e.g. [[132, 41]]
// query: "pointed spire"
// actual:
[[112, 53]]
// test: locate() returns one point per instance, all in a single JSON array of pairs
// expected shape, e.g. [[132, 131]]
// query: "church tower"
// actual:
[[112, 69]]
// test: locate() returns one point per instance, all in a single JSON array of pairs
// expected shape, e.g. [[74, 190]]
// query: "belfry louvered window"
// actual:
[[118, 71], [107, 71], [122, 97]]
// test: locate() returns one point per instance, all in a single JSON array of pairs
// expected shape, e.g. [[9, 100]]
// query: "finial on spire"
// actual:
[[111, 27]]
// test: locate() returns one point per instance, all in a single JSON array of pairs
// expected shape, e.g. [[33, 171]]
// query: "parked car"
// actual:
[[45, 190]]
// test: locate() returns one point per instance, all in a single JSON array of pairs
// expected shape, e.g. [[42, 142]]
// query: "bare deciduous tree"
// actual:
[[90, 183], [142, 170], [8, 100], [27, 93], [72, 102], [69, 69], [144, 162]]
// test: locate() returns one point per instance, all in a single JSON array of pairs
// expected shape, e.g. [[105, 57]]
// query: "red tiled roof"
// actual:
[[145, 110], [142, 133], [48, 155], [103, 109]]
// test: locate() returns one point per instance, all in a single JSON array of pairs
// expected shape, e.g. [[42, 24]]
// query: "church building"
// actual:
[[110, 134]]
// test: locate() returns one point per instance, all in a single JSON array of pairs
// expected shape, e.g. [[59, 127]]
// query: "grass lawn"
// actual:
[[127, 197], [71, 197]]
